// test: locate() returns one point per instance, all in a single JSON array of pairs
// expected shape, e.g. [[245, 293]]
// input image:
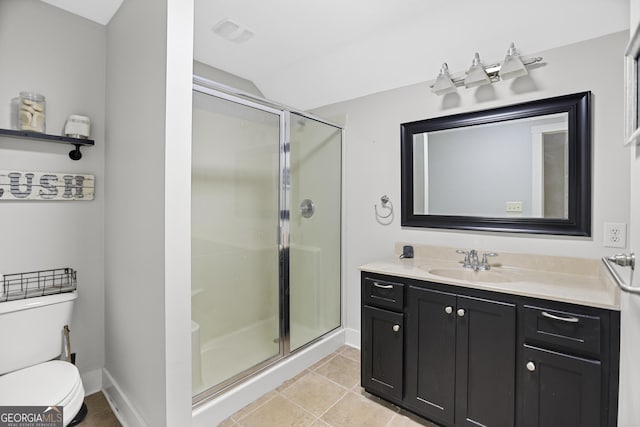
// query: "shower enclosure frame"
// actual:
[[284, 112]]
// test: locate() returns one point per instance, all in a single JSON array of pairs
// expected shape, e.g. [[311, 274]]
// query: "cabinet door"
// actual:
[[430, 373], [559, 390], [485, 362], [382, 352]]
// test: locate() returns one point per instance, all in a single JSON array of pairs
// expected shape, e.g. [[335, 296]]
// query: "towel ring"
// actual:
[[386, 204]]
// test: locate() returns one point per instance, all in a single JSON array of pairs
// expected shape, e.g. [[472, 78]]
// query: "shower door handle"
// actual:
[[307, 208]]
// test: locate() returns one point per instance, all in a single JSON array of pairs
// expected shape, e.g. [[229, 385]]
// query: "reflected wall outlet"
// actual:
[[513, 207], [615, 235]]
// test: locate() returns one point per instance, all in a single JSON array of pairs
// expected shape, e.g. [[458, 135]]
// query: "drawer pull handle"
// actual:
[[396, 328], [531, 366], [448, 309], [562, 319], [378, 285], [461, 312]]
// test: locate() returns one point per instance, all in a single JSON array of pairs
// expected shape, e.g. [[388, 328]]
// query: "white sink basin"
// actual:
[[467, 274]]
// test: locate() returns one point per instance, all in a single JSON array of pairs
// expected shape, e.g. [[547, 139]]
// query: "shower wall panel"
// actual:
[[315, 164], [265, 274], [235, 252]]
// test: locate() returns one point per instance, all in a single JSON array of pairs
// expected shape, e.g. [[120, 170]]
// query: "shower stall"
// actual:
[[266, 215]]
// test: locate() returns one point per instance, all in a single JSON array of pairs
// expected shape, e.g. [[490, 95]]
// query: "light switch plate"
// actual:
[[615, 235]]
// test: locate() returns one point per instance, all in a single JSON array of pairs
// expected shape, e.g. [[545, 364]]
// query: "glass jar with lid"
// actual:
[[31, 112]]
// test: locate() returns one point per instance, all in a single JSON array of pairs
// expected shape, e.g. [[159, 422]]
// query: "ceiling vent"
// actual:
[[231, 30]]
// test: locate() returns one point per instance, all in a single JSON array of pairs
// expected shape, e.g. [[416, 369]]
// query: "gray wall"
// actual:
[[217, 75], [134, 210], [62, 56], [476, 170], [147, 211], [372, 151]]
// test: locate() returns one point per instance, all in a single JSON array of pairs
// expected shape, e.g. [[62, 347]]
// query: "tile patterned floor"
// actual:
[[327, 394], [99, 412]]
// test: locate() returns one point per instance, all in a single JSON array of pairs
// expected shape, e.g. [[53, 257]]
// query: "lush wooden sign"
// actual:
[[19, 185]]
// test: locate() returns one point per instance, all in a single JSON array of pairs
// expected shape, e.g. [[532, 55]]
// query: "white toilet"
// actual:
[[31, 333]]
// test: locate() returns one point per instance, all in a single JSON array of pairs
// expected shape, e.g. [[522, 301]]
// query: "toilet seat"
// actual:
[[54, 383]]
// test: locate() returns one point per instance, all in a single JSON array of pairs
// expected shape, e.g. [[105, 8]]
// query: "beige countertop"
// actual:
[[573, 280]]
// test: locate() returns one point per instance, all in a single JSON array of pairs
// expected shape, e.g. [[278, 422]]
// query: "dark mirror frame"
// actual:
[[578, 222]]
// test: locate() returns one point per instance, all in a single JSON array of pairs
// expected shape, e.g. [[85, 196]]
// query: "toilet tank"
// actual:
[[31, 329]]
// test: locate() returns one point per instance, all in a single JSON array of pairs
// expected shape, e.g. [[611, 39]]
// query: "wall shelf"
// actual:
[[74, 154]]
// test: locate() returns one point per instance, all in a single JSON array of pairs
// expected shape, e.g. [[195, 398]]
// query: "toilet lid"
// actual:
[[48, 383]]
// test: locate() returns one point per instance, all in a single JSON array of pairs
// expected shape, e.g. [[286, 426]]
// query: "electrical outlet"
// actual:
[[513, 207], [615, 235]]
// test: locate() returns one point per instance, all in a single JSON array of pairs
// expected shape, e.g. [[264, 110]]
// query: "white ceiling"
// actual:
[[99, 11], [309, 53]]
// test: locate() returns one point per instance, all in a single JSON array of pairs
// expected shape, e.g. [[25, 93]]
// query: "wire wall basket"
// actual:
[[37, 283]]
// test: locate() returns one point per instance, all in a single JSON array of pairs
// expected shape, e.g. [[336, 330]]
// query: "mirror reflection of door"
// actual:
[[550, 171], [556, 177], [483, 170]]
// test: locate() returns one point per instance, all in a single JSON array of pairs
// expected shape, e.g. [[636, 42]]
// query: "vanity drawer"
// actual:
[[562, 329], [383, 294]]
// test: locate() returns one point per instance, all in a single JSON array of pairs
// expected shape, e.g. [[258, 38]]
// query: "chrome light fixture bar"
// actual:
[[478, 74]]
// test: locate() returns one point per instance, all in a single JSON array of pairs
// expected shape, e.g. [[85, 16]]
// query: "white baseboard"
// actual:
[[92, 381], [120, 404], [352, 338], [216, 410]]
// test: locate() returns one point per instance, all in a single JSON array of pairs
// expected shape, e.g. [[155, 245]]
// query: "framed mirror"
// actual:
[[523, 168], [632, 89]]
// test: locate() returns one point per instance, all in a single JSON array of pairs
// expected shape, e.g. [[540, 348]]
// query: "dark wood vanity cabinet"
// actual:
[[465, 357], [431, 353], [383, 340], [560, 390], [460, 358], [569, 365], [384, 351]]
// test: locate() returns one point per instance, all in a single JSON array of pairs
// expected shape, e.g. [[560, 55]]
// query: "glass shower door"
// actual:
[[315, 217], [235, 250]]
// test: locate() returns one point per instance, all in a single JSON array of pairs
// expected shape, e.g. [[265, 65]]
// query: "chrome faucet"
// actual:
[[471, 259], [485, 264], [468, 257]]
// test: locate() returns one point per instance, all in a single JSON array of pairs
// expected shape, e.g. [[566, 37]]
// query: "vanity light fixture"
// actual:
[[512, 66], [443, 84], [478, 74]]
